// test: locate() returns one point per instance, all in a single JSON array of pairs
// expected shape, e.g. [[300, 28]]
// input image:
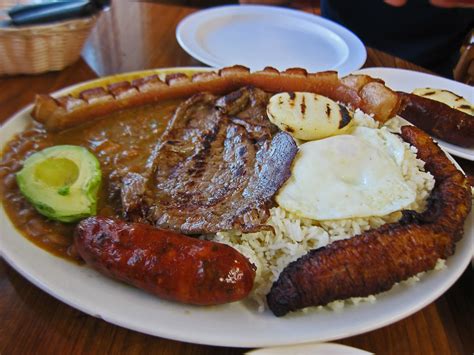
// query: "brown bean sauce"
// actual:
[[122, 142]]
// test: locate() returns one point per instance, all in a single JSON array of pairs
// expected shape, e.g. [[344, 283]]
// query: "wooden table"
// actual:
[[134, 36]]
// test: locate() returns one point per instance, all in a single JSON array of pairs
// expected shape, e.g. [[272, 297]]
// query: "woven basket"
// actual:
[[42, 48]]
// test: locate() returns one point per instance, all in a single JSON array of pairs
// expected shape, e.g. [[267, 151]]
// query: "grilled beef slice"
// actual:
[[216, 167]]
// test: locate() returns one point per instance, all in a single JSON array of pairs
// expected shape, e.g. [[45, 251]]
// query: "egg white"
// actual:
[[348, 176]]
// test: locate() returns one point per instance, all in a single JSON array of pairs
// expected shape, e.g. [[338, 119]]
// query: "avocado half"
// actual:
[[61, 182]]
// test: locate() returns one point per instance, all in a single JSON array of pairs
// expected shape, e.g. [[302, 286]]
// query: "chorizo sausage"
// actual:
[[170, 265], [438, 119]]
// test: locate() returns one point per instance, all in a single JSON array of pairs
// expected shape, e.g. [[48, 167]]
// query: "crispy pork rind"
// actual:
[[357, 91]]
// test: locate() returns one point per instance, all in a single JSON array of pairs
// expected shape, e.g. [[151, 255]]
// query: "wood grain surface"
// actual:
[[140, 35]]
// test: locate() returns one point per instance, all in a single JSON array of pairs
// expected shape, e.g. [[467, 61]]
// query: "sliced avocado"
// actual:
[[61, 182]]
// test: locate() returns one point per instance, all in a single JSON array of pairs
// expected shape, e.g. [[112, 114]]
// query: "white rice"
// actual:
[[294, 236]]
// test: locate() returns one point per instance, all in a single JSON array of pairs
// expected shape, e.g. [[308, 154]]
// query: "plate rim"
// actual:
[[216, 340], [351, 40]]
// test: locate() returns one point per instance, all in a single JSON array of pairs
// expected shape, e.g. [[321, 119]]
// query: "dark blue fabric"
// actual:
[[419, 32]]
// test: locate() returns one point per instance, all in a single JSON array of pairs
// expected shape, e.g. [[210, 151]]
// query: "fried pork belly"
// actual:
[[366, 93]]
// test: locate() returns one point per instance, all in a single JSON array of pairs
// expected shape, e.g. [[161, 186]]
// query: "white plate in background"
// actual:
[[312, 348], [407, 81], [258, 36]]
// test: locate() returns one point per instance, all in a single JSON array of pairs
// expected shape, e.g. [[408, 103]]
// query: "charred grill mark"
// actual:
[[303, 106], [464, 106], [328, 111], [292, 100], [200, 158], [346, 117], [292, 95], [429, 93]]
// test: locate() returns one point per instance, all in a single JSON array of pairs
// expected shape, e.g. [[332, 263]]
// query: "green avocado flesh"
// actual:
[[61, 182]]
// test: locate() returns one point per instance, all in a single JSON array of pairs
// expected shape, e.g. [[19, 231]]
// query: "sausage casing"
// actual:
[[438, 119], [170, 265]]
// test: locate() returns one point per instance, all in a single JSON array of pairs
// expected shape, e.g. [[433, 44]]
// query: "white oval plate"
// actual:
[[237, 324], [311, 348], [407, 81], [257, 36]]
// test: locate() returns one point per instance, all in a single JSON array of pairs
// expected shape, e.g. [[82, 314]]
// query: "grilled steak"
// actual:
[[217, 166]]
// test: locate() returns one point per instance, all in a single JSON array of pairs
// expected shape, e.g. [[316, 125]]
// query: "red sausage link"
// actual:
[[170, 265]]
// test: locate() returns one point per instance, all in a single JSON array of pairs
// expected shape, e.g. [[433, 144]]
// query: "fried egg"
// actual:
[[348, 176]]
